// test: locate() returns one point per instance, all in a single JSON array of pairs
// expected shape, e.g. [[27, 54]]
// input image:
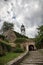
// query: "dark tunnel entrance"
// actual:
[[31, 47]]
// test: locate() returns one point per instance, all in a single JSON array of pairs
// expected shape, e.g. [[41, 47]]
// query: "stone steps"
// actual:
[[32, 64], [34, 58], [36, 62]]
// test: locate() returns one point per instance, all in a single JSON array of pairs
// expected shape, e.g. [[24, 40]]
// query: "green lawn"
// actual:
[[8, 57]]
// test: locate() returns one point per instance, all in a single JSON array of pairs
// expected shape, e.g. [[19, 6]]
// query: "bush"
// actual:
[[18, 50], [18, 45], [6, 40], [37, 45], [2, 52], [39, 37], [8, 48], [2, 37], [5, 47]]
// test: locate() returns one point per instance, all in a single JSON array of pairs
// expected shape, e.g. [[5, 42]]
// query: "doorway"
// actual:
[[31, 47]]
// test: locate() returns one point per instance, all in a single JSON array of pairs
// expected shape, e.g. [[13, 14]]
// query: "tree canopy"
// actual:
[[39, 37], [6, 26]]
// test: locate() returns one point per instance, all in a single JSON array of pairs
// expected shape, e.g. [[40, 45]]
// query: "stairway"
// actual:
[[34, 58]]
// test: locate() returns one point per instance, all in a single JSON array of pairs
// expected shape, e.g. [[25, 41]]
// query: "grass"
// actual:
[[8, 57]]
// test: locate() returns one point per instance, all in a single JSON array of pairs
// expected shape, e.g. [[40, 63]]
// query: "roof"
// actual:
[[22, 25]]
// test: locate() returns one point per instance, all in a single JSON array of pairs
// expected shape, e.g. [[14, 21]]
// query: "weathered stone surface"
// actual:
[[33, 59], [10, 35]]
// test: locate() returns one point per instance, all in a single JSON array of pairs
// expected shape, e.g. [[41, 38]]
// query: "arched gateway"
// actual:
[[30, 45]]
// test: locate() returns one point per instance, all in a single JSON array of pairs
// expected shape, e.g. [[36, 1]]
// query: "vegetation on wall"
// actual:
[[4, 48], [18, 49], [18, 35], [20, 40], [2, 37]]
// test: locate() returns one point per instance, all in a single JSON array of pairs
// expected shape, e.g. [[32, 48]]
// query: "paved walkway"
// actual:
[[34, 58]]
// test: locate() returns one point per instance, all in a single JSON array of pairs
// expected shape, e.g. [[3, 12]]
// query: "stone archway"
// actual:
[[31, 47]]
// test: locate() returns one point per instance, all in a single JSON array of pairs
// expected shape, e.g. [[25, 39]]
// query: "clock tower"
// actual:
[[22, 29]]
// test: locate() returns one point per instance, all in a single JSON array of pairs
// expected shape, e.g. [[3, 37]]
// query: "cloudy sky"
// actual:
[[27, 12]]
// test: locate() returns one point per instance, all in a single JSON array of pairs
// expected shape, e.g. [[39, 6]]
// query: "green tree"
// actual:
[[6, 26], [39, 37]]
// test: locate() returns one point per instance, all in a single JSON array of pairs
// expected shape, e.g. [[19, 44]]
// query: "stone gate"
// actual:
[[29, 45]]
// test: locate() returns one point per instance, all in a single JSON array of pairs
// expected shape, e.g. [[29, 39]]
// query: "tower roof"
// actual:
[[22, 25]]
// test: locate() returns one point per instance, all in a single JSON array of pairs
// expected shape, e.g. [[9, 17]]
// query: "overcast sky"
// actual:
[[27, 12]]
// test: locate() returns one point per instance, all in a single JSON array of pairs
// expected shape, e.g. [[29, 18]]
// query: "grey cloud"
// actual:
[[37, 17]]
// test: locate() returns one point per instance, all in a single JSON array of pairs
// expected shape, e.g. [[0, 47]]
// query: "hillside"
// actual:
[[18, 35]]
